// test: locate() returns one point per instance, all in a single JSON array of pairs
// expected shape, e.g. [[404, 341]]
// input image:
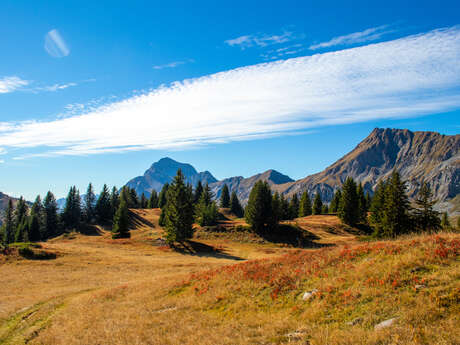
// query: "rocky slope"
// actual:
[[418, 156], [163, 172]]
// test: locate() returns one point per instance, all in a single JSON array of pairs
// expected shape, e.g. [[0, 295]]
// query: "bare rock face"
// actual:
[[418, 156]]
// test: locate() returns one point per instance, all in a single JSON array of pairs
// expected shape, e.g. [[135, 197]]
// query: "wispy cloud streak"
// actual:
[[247, 41], [411, 76], [55, 44], [367, 35], [173, 64], [10, 84]]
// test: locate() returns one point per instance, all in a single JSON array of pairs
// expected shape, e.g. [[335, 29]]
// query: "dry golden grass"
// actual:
[[100, 291]]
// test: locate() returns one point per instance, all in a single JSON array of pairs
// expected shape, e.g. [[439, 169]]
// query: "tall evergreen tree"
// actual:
[[179, 211], [22, 231], [317, 204], [305, 205], [143, 201], [325, 209], [377, 208], [36, 221], [153, 200], [285, 214], [259, 209], [445, 223], [198, 191], [163, 195], [334, 206], [20, 213], [8, 224], [120, 227], [114, 202], [225, 197], [348, 208], [90, 204], [50, 222], [396, 218], [277, 208], [104, 206], [362, 204], [235, 206], [71, 215], [425, 217], [294, 207], [135, 202]]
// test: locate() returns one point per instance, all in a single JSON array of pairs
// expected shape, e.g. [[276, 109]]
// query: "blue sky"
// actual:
[[98, 91]]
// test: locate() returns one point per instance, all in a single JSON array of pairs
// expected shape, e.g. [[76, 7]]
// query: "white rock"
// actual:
[[385, 324], [419, 286], [309, 294]]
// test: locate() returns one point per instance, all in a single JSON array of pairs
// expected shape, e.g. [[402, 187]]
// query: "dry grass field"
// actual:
[[222, 291]]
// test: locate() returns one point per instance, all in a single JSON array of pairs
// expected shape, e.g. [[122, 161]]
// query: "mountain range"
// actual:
[[418, 156]]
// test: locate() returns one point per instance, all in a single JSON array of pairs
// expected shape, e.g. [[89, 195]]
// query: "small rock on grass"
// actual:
[[419, 286], [355, 321], [385, 324], [309, 294]]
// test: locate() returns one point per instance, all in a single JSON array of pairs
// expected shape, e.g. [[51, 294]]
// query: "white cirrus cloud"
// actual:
[[55, 44], [260, 40], [173, 64], [10, 84], [367, 35], [411, 76]]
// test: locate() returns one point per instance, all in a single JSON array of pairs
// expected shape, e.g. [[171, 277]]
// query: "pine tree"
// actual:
[[153, 200], [334, 206], [90, 201], [362, 204], [225, 197], [445, 223], [104, 211], [425, 217], [50, 222], [8, 224], [120, 227], [259, 209], [22, 231], [198, 191], [143, 201], [235, 206], [348, 207], [294, 207], [179, 211], [277, 208], [377, 208], [163, 195], [36, 220], [325, 209], [114, 202], [396, 219], [317, 204], [206, 195], [21, 212], [135, 202], [305, 205], [285, 213], [71, 215]]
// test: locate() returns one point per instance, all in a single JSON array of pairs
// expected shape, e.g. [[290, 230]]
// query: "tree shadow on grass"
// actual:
[[90, 230], [137, 220], [203, 250], [292, 235]]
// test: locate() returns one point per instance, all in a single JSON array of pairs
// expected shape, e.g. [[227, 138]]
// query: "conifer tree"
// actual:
[[90, 203], [277, 208], [334, 206], [305, 205], [134, 200], [258, 212], [225, 197], [179, 211], [143, 201], [235, 206], [153, 200], [377, 208], [163, 195], [36, 219], [50, 222], [8, 225], [104, 206], [198, 191], [317, 204], [22, 231], [114, 202], [445, 223], [348, 207], [294, 207], [71, 215], [285, 213], [325, 209], [21, 212], [120, 227], [396, 218], [425, 217], [362, 204]]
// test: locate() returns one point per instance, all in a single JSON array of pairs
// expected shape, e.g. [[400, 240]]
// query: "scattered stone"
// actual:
[[309, 294], [355, 321], [385, 324], [297, 335], [419, 286]]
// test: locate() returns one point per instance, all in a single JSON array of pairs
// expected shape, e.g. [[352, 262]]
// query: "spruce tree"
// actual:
[[163, 195], [235, 206], [143, 201], [225, 197], [445, 223], [325, 209], [426, 218], [198, 191], [20, 213], [71, 216], [258, 212], [104, 206], [294, 207], [277, 208], [305, 205], [135, 202], [114, 202], [396, 218], [362, 204], [377, 208], [179, 211], [22, 231], [36, 220], [317, 204], [50, 222], [334, 206], [348, 207], [153, 200], [120, 227], [90, 203], [8, 224], [285, 213]]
